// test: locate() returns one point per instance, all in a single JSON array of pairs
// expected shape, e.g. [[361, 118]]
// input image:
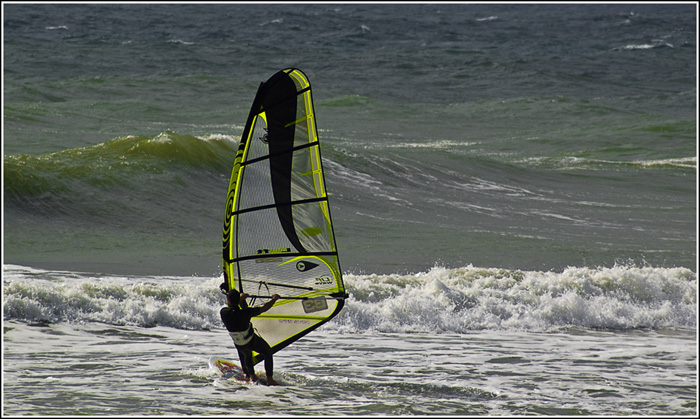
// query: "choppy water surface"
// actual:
[[513, 186]]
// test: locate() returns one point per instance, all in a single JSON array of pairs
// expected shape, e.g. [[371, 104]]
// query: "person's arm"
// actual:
[[242, 302], [268, 305]]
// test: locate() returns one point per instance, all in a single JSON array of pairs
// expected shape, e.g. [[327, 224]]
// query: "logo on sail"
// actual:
[[305, 266], [274, 251]]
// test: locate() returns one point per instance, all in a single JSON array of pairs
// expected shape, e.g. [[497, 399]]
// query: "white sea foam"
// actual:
[[689, 162], [233, 139], [471, 298], [440, 300], [180, 41], [638, 46], [481, 185], [351, 176], [577, 163], [656, 44]]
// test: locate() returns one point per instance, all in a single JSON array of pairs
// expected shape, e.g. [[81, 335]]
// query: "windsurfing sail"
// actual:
[[278, 234]]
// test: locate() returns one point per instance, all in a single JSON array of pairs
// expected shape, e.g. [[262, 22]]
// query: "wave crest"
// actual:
[[127, 163]]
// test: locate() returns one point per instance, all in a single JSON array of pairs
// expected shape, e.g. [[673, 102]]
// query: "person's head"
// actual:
[[233, 298]]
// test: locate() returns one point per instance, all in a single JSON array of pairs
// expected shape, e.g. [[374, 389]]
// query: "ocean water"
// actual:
[[514, 190]]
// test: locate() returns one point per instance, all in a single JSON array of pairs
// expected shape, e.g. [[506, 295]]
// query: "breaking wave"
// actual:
[[440, 300]]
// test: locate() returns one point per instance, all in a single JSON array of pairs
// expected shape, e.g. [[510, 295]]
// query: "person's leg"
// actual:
[[241, 357], [260, 346], [247, 361]]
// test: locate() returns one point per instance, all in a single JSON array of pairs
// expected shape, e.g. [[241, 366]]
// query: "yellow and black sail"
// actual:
[[278, 234]]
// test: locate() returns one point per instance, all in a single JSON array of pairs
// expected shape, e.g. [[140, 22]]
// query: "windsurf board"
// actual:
[[232, 371]]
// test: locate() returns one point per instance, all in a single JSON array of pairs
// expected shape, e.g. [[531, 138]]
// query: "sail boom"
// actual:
[[303, 298]]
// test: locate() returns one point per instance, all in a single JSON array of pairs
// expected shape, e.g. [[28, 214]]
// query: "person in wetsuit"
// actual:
[[236, 318]]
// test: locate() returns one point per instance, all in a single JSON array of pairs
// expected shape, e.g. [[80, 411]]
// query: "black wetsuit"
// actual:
[[238, 320]]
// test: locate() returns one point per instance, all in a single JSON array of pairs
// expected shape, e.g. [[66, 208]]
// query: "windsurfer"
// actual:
[[236, 318]]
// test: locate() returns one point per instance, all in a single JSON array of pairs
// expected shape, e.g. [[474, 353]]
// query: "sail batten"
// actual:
[[263, 207], [278, 233], [269, 156], [277, 256]]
